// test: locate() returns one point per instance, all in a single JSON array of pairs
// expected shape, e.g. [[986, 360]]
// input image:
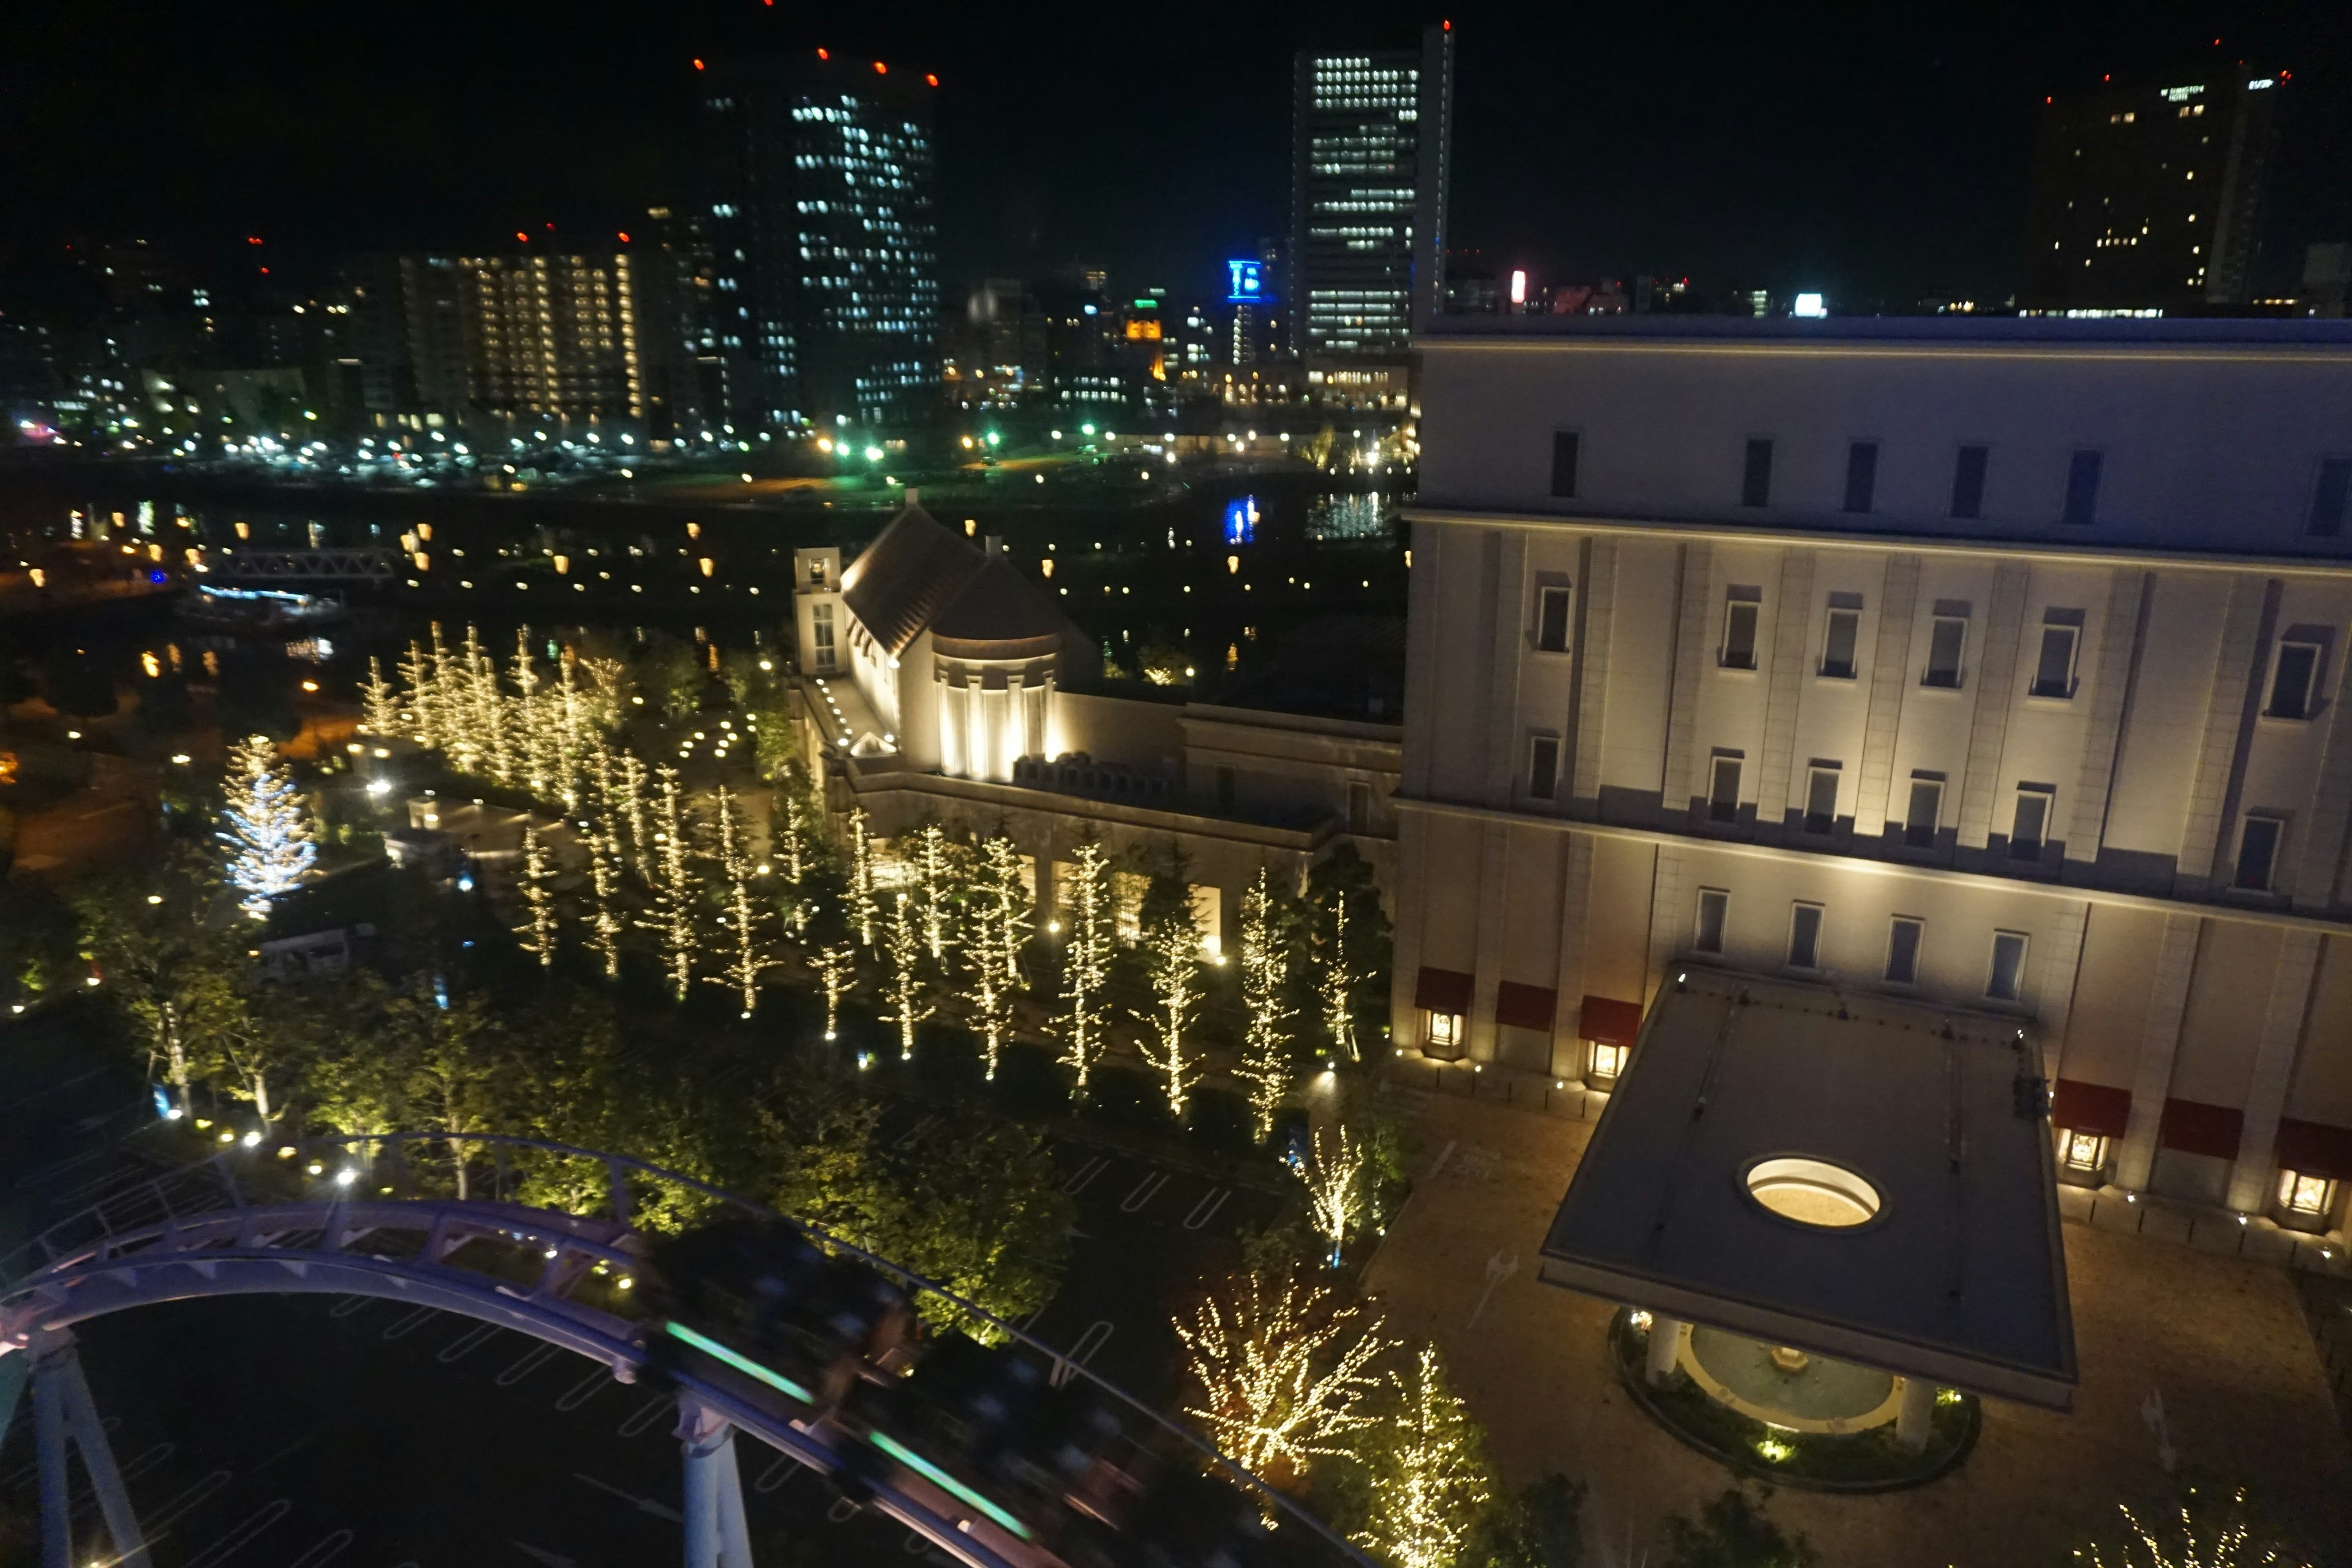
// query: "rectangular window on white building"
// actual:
[[1551, 617], [1969, 481], [1948, 640], [2294, 679], [1755, 473], [1804, 936], [2082, 489], [2029, 824], [2258, 853], [821, 631], [1861, 475], [1723, 789], [1743, 608], [1543, 766], [2331, 499], [1841, 636], [1822, 798], [2053, 669], [2005, 980], [1902, 938], [1714, 905], [1923, 813]]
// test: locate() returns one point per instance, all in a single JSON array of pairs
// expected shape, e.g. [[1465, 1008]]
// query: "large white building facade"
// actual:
[[1996, 665]]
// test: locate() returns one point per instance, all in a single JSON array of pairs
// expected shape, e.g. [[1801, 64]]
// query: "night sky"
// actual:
[[1875, 151]]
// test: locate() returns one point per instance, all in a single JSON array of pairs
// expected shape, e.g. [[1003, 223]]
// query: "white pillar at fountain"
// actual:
[[1666, 1344], [1916, 1419]]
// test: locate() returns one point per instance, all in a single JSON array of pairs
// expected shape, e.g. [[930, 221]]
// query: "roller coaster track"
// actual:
[[562, 1279]]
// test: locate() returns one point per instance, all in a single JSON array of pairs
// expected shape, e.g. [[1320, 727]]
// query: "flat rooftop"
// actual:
[[1959, 1276], [2164, 331]]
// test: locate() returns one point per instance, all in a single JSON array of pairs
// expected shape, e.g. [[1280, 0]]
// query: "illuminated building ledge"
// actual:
[[1957, 1276]]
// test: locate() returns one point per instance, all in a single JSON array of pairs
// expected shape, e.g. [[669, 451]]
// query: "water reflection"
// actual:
[[1350, 517], [1241, 520]]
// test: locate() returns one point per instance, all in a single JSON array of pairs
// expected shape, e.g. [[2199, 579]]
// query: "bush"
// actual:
[[1118, 1097], [1028, 1083], [1220, 1122]]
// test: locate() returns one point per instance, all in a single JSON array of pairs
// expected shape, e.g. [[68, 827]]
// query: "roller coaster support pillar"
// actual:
[[63, 1409], [716, 1534]]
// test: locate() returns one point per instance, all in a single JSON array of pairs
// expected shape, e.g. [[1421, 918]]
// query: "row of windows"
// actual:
[[2330, 507], [1906, 939]]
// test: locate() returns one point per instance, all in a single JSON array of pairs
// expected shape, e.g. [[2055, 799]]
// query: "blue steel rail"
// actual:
[[195, 1233]]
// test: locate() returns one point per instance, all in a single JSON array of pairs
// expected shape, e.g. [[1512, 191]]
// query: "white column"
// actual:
[[2176, 962], [1916, 1420], [1666, 1345], [2275, 1049], [716, 1533]]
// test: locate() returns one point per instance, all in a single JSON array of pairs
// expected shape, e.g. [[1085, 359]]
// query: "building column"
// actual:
[[1916, 1421], [716, 1533], [1995, 681], [1890, 677], [2176, 961], [2250, 1178], [2082, 822], [1568, 982], [1694, 636], [2229, 720], [1670, 916], [1494, 910], [1665, 1346], [1405, 967], [1599, 599], [1792, 627]]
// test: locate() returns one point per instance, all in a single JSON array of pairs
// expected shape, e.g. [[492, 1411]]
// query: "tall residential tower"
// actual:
[[1371, 139], [826, 291]]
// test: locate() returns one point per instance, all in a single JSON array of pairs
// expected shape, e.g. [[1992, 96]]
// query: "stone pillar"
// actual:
[[1916, 1418], [1666, 1344]]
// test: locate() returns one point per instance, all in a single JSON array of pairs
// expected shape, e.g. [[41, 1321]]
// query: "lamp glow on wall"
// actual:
[[1519, 286]]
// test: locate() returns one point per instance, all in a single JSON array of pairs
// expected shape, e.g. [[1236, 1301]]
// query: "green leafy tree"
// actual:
[[163, 945], [458, 1072], [671, 675], [1733, 1531], [1542, 1526]]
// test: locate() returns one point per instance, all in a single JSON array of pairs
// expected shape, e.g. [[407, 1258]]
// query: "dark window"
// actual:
[[1563, 463], [1945, 642], [2258, 847], [1821, 800], [1903, 950], [1804, 936], [2331, 499], [1552, 620], [2030, 825], [2298, 669], [1224, 789], [1714, 903], [1360, 807], [1739, 634], [2008, 976], [1543, 766], [2082, 488], [1925, 813], [1838, 644], [1723, 791], [2053, 676], [1756, 480], [1969, 480], [1861, 475]]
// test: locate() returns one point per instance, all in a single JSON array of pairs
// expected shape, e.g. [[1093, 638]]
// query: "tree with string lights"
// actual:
[[1281, 1369], [1333, 1176], [604, 925], [790, 823], [863, 907], [1171, 954], [905, 984], [1336, 980], [1429, 1485], [998, 903], [1086, 937], [631, 808], [380, 704], [933, 863], [836, 975], [416, 673], [671, 919], [749, 958], [1265, 1038], [270, 838], [537, 898]]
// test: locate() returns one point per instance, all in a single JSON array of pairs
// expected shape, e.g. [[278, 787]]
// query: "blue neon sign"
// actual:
[[1245, 283]]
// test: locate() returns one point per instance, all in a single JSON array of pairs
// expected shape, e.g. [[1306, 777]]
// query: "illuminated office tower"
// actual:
[[1371, 139], [2147, 198], [826, 297]]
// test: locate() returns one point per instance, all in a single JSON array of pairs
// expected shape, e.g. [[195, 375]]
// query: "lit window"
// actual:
[[2302, 1195], [1608, 1060], [2085, 1150], [1445, 1029]]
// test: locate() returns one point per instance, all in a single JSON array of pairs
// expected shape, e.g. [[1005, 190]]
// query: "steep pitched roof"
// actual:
[[998, 605], [906, 576]]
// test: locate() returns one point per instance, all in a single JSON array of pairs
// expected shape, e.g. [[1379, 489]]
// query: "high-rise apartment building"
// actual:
[[2149, 198], [1371, 139], [826, 295]]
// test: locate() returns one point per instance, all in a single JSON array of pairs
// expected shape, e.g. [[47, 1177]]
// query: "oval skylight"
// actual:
[[1813, 1193]]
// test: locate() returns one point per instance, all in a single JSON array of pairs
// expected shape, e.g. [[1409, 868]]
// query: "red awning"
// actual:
[[2195, 1128], [2315, 1149], [2090, 1108], [1608, 1020], [1442, 991], [1526, 1007]]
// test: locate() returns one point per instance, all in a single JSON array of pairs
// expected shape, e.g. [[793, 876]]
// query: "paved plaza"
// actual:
[[2218, 1340]]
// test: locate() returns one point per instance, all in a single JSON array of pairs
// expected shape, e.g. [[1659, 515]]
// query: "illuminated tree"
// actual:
[[462, 704], [904, 985], [270, 839], [604, 888], [416, 673], [536, 897], [934, 864], [1087, 916], [1336, 980], [999, 924], [568, 722], [527, 737], [672, 918], [1430, 1485], [836, 972], [632, 809], [438, 706], [2214, 1528], [1334, 1179], [862, 904], [789, 825], [749, 959], [380, 704], [1265, 1039], [1280, 1370], [1172, 949]]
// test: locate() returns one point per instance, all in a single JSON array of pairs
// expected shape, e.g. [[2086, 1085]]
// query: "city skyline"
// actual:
[[1741, 156]]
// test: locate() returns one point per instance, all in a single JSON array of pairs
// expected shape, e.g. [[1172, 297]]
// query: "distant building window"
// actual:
[[2053, 672], [821, 634], [1969, 481], [1360, 806], [1741, 609], [1924, 814], [2330, 498], [1543, 766], [2082, 489], [2297, 673], [1839, 641], [2006, 981], [1861, 475], [2302, 1195], [1756, 477], [2258, 847], [2030, 823], [1445, 1030], [1821, 798], [1564, 445], [1723, 791], [1804, 936], [1947, 639], [1552, 618], [1903, 950], [1224, 789], [1714, 904]]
